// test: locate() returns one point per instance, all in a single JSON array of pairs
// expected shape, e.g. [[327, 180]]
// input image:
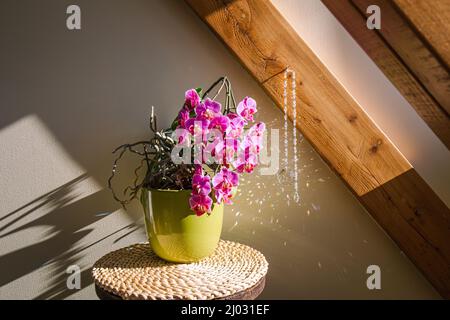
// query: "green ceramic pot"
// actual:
[[175, 232]]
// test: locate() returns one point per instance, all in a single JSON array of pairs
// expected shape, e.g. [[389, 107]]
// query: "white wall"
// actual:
[[68, 98]]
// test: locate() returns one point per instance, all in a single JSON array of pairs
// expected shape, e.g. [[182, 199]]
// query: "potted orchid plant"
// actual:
[[192, 169]]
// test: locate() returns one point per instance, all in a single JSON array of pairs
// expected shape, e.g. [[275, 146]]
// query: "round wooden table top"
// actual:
[[233, 272]]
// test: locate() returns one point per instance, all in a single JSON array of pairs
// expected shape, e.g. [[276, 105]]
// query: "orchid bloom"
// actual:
[[257, 129], [226, 150], [220, 122], [183, 137], [198, 169], [254, 138], [247, 108], [197, 126], [246, 164], [220, 135], [250, 147], [223, 184], [200, 201], [201, 184], [200, 204], [236, 127], [213, 149], [208, 109], [192, 99], [183, 116]]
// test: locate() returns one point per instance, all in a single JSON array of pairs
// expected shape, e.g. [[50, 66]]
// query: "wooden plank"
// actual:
[[339, 130], [331, 120], [413, 50], [393, 67], [431, 18], [414, 216]]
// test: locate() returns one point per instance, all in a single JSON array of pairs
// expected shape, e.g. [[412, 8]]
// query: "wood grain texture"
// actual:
[[413, 50], [414, 216], [392, 66], [345, 137], [431, 18], [331, 120]]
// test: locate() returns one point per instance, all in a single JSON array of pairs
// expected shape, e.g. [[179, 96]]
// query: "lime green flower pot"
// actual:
[[175, 232]]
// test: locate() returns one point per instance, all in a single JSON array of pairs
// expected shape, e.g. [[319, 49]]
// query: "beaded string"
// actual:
[[294, 128]]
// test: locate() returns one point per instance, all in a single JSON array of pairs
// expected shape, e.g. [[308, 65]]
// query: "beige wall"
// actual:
[[68, 98]]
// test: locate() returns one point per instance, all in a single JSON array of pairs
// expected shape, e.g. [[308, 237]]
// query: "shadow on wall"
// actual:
[[92, 90], [60, 248]]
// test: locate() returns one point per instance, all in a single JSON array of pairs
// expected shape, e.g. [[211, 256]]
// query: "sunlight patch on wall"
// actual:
[[33, 162], [51, 214]]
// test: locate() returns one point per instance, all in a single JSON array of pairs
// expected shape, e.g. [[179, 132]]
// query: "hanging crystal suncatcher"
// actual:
[[293, 88]]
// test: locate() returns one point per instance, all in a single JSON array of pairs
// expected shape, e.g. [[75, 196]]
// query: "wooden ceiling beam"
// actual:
[[431, 20], [413, 50], [338, 128], [391, 64]]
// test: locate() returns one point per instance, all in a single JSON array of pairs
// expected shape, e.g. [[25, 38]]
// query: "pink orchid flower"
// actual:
[[192, 99], [246, 164], [198, 169], [247, 108], [220, 135], [200, 201], [201, 184], [211, 151], [257, 129], [208, 109], [253, 140], [200, 204], [223, 184], [220, 122], [197, 126], [236, 127], [183, 116], [183, 137], [226, 150]]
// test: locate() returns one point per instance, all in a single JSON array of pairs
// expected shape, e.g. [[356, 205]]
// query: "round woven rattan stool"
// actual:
[[234, 271]]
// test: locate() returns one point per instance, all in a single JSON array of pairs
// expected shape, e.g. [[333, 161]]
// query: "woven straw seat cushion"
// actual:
[[135, 272]]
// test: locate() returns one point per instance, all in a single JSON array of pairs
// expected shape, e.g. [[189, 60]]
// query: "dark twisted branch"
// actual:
[[230, 102]]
